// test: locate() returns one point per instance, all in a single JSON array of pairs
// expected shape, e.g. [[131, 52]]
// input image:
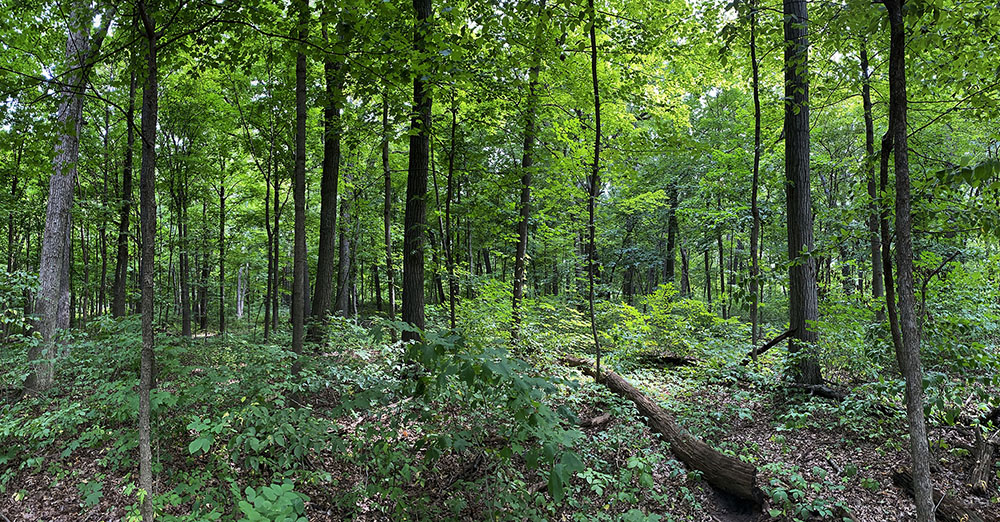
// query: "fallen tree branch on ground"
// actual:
[[666, 359], [949, 507], [596, 421], [725, 473], [771, 344]]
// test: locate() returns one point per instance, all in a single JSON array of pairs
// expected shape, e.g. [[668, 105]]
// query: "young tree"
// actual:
[[909, 350]]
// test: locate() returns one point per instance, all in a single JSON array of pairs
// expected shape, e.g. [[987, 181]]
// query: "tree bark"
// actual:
[[595, 182], [343, 304], [527, 159], [414, 220], [299, 190], [334, 74], [910, 347], [878, 288], [754, 208], [147, 222], [222, 249], [726, 473], [390, 273], [803, 306], [55, 240]]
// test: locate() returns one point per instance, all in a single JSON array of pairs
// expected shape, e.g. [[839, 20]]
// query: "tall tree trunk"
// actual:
[[55, 240], [909, 350], [754, 208], [147, 222], [343, 304], [685, 273], [334, 73], [803, 306], [119, 300], [222, 249], [595, 182], [185, 268], [387, 206], [203, 278], [669, 269], [527, 159], [299, 194], [449, 194], [275, 287], [102, 230], [414, 220], [878, 288], [270, 256]]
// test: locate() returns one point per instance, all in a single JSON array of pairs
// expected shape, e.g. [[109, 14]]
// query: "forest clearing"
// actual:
[[561, 260]]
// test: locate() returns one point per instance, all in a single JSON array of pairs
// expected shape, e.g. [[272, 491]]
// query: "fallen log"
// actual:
[[771, 344], [725, 473], [949, 507], [666, 359], [821, 390]]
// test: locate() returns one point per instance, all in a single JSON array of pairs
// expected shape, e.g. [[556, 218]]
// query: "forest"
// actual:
[[555, 260]]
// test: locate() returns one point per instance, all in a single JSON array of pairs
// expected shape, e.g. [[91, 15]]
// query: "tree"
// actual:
[[52, 304], [803, 305], [299, 182], [118, 300], [415, 217], [909, 348]]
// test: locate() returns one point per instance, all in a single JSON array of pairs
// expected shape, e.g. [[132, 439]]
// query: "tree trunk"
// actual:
[[595, 182], [685, 273], [334, 73], [299, 192], [222, 250], [55, 239], [878, 288], [754, 209], [803, 306], [343, 304], [729, 474], [909, 350], [527, 159], [669, 263], [390, 273], [449, 194], [147, 222], [414, 220]]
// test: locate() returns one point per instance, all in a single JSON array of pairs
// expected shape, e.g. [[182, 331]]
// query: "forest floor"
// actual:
[[818, 459]]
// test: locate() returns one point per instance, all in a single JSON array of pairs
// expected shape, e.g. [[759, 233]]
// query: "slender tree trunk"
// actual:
[[685, 273], [909, 349], [669, 263], [414, 220], [527, 160], [222, 249], [299, 195], [390, 274], [55, 240], [803, 306], [343, 304], [878, 288], [275, 288], [754, 208], [270, 256], [449, 194], [185, 268], [595, 182], [147, 222]]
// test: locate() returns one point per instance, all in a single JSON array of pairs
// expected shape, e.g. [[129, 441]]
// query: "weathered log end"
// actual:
[[723, 472]]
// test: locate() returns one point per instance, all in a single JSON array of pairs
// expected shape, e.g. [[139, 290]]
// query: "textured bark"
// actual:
[[222, 250], [53, 277], [449, 194], [390, 273], [909, 350], [754, 209], [878, 285], [803, 306], [147, 223], [595, 183], [527, 160], [299, 190], [982, 466], [414, 220], [334, 74], [726, 473], [343, 304]]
